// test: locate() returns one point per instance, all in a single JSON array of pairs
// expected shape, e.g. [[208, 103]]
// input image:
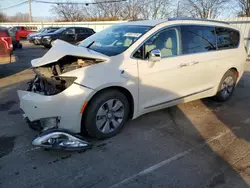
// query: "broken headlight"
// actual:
[[50, 86], [60, 139], [67, 81]]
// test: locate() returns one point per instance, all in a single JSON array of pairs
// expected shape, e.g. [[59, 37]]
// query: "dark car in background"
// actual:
[[31, 36], [69, 34]]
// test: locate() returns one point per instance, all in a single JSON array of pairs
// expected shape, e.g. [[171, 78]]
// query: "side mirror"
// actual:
[[154, 55]]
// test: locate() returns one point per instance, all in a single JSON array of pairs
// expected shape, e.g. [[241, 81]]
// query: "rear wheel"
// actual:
[[226, 87], [106, 114]]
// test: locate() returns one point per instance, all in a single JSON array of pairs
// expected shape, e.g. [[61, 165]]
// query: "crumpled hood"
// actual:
[[60, 49]]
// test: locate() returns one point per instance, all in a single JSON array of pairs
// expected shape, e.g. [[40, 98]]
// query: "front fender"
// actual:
[[109, 74]]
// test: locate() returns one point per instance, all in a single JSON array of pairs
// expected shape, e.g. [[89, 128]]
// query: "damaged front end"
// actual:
[[48, 80], [48, 106]]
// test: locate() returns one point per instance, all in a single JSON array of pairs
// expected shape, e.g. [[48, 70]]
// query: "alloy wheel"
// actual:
[[227, 86], [110, 115]]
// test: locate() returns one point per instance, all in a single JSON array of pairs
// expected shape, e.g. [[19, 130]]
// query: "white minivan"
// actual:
[[130, 69]]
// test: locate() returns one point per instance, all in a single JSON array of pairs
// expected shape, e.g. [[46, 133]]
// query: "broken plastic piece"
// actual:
[[60, 139]]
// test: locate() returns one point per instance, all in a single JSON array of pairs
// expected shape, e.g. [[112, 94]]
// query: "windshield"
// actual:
[[60, 30], [50, 31], [114, 40], [41, 30]]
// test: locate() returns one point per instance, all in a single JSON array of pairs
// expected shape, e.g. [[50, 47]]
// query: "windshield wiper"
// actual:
[[90, 44]]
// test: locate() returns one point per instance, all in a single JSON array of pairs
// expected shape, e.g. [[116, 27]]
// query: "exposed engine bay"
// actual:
[[48, 80]]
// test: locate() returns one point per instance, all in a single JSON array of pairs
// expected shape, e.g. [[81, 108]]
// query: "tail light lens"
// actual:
[[7, 42]]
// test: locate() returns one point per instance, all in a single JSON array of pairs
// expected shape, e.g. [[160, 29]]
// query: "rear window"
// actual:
[[195, 39], [84, 31], [4, 33], [81, 30], [91, 31], [227, 38]]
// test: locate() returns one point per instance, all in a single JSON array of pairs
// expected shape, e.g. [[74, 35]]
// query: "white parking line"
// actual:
[[167, 161]]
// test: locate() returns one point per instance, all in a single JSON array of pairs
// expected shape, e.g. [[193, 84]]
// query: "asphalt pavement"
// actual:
[[198, 144]]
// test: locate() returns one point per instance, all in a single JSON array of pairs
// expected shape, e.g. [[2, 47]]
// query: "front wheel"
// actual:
[[106, 114], [226, 87]]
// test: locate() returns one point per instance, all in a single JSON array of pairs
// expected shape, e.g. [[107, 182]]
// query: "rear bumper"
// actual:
[[65, 106]]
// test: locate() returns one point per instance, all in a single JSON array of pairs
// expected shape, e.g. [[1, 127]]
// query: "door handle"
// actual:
[[183, 65], [193, 63], [188, 64]]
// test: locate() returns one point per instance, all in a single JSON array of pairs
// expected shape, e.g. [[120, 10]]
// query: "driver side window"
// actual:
[[70, 31], [166, 41]]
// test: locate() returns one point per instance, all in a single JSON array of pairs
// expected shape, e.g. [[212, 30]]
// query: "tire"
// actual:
[[102, 121], [35, 42], [227, 86], [47, 46]]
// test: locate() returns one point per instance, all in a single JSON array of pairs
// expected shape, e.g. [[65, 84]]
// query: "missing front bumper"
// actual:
[[60, 139]]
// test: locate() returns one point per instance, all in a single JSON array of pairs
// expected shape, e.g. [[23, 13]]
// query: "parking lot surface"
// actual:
[[197, 144]]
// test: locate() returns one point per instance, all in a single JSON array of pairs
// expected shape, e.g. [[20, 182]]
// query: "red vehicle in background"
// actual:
[[22, 31], [6, 46]]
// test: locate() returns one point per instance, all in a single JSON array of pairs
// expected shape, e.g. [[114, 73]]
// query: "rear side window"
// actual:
[[81, 31], [195, 39], [70, 31], [4, 33], [91, 31], [227, 38]]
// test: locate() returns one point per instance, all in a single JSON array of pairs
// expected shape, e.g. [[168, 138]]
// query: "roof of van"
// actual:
[[156, 22]]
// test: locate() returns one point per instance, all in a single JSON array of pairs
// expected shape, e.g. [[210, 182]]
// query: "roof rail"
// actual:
[[197, 19]]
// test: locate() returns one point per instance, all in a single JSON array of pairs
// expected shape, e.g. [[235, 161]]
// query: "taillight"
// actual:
[[7, 42]]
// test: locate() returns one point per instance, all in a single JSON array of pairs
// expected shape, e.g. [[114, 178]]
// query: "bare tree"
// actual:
[[69, 12], [156, 9], [205, 8], [145, 9], [108, 10], [19, 17], [132, 10], [244, 6], [124, 10], [2, 17]]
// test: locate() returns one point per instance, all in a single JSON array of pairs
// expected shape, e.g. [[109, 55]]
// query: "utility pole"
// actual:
[[178, 7], [30, 12]]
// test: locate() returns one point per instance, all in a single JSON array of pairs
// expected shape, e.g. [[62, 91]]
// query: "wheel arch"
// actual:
[[234, 70], [123, 90]]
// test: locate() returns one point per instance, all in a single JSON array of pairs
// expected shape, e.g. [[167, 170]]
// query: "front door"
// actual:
[[176, 76]]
